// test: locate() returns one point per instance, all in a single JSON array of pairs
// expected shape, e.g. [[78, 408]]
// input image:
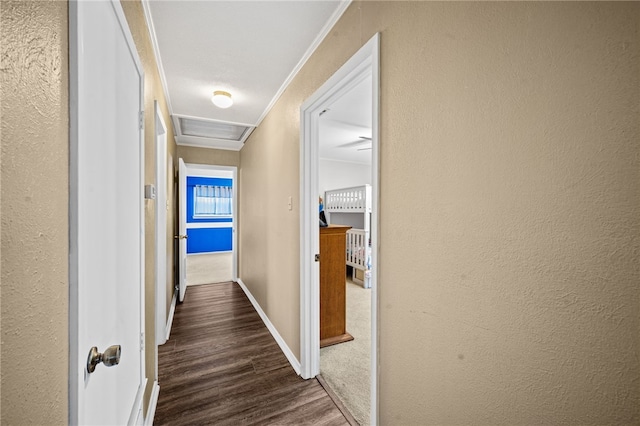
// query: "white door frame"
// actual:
[[364, 63], [209, 170], [182, 230], [161, 227], [77, 357]]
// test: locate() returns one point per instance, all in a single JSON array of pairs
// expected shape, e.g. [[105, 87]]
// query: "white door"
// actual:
[[182, 227], [106, 222]]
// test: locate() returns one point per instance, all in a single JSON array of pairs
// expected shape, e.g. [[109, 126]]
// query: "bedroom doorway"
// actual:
[[344, 179], [210, 223], [361, 71]]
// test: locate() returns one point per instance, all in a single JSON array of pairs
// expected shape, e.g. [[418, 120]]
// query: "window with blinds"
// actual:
[[212, 200]]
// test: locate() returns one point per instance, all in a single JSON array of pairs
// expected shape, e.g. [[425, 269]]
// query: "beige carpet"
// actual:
[[209, 268], [346, 367]]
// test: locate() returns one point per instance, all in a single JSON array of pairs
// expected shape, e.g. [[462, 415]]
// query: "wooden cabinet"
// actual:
[[333, 271]]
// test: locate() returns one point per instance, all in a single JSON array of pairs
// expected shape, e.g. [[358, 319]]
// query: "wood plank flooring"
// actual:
[[222, 366]]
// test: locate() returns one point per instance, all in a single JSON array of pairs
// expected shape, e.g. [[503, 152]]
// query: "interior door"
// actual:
[[182, 227], [106, 217]]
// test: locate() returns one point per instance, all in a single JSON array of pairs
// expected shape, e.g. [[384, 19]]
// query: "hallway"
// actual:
[[222, 366]]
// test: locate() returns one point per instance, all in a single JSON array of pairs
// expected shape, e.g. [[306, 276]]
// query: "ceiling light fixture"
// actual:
[[222, 99]]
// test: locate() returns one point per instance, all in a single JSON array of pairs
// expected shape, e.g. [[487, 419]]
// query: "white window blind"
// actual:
[[212, 200]]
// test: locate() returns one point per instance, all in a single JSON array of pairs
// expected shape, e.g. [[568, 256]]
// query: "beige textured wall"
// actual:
[[269, 240], [34, 212], [510, 177], [216, 157], [152, 91], [518, 134], [269, 236]]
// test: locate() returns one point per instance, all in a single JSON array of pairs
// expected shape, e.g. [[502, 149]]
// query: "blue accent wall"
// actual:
[[207, 240]]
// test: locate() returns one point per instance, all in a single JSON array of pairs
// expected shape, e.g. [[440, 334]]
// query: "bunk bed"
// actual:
[[352, 206]]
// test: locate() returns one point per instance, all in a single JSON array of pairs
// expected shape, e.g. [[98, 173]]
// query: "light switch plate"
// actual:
[[150, 192]]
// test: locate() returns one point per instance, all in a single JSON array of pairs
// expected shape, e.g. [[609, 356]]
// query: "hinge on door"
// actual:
[[142, 341], [141, 116], [317, 258]]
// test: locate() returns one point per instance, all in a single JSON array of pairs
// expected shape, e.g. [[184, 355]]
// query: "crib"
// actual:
[[352, 206]]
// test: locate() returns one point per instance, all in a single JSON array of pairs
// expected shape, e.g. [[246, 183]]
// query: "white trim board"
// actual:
[[272, 329], [172, 311], [207, 225], [209, 252], [153, 404], [156, 52], [209, 170], [138, 409], [160, 136], [365, 62]]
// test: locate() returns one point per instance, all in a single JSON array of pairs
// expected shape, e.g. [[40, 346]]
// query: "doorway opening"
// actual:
[[208, 194], [345, 186], [362, 70], [164, 276]]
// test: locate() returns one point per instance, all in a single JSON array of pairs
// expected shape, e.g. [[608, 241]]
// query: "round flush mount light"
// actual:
[[222, 99]]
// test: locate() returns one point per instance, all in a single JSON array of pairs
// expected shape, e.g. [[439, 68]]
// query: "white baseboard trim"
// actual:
[[153, 403], [172, 310], [137, 415], [272, 329]]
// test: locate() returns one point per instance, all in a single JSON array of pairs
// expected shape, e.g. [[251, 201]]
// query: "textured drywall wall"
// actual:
[[510, 177], [215, 157], [34, 212], [268, 238], [510, 181], [153, 91], [269, 234]]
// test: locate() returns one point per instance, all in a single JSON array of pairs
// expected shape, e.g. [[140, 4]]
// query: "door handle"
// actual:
[[180, 237], [109, 358]]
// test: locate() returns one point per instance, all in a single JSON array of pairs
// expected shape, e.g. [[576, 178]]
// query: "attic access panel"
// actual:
[[211, 129]]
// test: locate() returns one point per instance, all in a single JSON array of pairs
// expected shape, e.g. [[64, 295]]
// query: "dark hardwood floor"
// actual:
[[222, 366]]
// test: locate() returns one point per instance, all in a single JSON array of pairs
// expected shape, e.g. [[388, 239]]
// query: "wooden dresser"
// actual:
[[333, 271]]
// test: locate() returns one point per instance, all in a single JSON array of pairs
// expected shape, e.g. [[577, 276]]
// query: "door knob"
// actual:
[[109, 358], [180, 237]]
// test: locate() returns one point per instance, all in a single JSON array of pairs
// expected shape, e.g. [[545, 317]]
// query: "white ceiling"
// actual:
[[251, 49], [344, 124]]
